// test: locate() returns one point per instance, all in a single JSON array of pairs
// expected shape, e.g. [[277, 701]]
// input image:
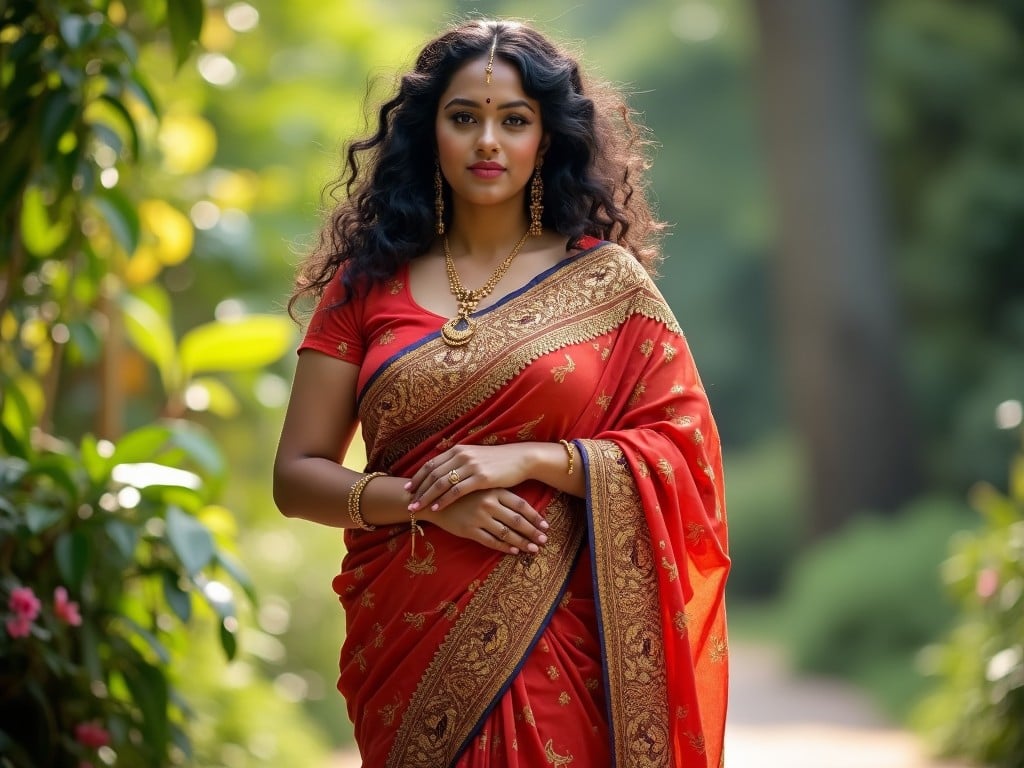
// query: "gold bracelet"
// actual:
[[569, 451], [354, 497]]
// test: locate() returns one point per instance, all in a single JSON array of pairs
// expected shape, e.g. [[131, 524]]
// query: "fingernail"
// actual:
[[414, 506], [533, 548], [435, 508], [408, 485], [513, 551], [544, 524], [542, 539]]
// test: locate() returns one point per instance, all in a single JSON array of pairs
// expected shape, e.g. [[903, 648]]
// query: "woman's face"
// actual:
[[489, 136]]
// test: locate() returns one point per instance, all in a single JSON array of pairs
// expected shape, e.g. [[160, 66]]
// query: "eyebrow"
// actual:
[[457, 101]]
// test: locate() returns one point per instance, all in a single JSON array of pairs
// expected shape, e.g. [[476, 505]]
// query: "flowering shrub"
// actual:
[[104, 553], [977, 712]]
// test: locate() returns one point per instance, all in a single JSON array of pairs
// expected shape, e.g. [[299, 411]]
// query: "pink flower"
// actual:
[[988, 583], [66, 610], [92, 735], [19, 626], [24, 603]]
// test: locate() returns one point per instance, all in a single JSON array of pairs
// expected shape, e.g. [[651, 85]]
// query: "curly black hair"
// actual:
[[593, 171]]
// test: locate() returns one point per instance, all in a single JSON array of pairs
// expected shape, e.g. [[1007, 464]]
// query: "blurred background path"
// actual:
[[777, 720]]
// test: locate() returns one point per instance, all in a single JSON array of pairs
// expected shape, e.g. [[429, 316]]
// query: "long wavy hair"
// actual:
[[593, 171]]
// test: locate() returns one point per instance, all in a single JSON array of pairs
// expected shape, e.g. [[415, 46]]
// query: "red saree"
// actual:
[[609, 646]]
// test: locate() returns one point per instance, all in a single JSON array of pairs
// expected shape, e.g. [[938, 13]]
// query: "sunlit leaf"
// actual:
[[40, 234], [148, 638], [60, 470], [190, 540], [211, 395], [141, 445], [166, 231], [77, 30], [151, 334], [249, 343], [188, 142]]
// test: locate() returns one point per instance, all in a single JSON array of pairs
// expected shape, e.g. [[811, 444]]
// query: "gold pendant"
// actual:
[[457, 331]]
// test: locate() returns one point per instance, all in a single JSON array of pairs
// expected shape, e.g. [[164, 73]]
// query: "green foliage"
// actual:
[[864, 602], [948, 87], [120, 529], [977, 710], [765, 525]]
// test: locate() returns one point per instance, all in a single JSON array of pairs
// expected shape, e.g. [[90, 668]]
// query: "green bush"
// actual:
[[765, 527], [863, 603], [977, 710]]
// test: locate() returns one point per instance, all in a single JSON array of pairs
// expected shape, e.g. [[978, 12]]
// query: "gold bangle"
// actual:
[[569, 451], [354, 497]]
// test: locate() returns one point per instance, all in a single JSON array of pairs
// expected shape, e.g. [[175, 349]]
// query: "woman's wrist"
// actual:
[[385, 501]]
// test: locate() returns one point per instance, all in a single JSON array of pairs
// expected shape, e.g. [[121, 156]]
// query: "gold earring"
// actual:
[[536, 203], [438, 199]]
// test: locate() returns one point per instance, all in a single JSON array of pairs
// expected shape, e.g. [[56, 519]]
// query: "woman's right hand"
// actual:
[[496, 518]]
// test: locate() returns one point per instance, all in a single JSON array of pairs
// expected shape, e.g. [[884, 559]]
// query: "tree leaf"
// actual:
[[143, 444], [190, 540], [73, 556], [127, 119], [58, 113], [151, 334], [179, 600], [238, 573], [201, 448], [124, 536], [251, 342], [149, 689], [228, 640], [185, 19], [40, 234], [38, 518], [121, 216]]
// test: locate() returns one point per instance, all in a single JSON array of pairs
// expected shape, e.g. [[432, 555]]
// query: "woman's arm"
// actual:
[[309, 481]]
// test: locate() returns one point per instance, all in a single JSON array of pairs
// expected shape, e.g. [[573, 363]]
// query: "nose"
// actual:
[[487, 141]]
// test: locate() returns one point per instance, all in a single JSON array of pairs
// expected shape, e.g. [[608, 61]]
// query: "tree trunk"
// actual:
[[836, 305]]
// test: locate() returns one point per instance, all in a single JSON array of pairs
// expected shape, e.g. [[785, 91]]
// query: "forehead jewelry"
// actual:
[[489, 69]]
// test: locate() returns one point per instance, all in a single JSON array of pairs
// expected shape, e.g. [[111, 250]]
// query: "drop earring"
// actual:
[[438, 199], [536, 203]]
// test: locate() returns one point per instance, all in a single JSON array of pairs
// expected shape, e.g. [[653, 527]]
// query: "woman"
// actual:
[[536, 554]]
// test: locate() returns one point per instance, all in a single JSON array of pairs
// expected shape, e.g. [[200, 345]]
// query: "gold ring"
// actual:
[[453, 477], [504, 532]]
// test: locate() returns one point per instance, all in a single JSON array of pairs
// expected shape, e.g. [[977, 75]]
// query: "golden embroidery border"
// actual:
[[578, 315], [453, 659], [634, 657]]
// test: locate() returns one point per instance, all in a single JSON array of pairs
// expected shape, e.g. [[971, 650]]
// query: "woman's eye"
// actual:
[[462, 118], [516, 120]]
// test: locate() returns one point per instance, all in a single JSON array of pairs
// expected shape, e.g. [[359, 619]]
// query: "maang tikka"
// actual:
[[489, 69]]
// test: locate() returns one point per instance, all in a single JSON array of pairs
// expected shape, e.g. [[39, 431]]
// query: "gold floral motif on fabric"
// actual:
[[486, 644], [553, 757], [627, 587], [433, 384]]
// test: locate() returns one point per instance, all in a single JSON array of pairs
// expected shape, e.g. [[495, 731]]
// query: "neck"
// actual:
[[486, 236]]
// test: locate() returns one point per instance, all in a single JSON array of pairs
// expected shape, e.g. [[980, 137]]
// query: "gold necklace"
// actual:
[[460, 329]]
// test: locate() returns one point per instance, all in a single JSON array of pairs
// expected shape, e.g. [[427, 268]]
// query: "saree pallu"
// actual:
[[609, 646]]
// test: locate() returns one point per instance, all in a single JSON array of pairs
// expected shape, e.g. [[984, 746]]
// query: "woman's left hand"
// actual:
[[464, 469]]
